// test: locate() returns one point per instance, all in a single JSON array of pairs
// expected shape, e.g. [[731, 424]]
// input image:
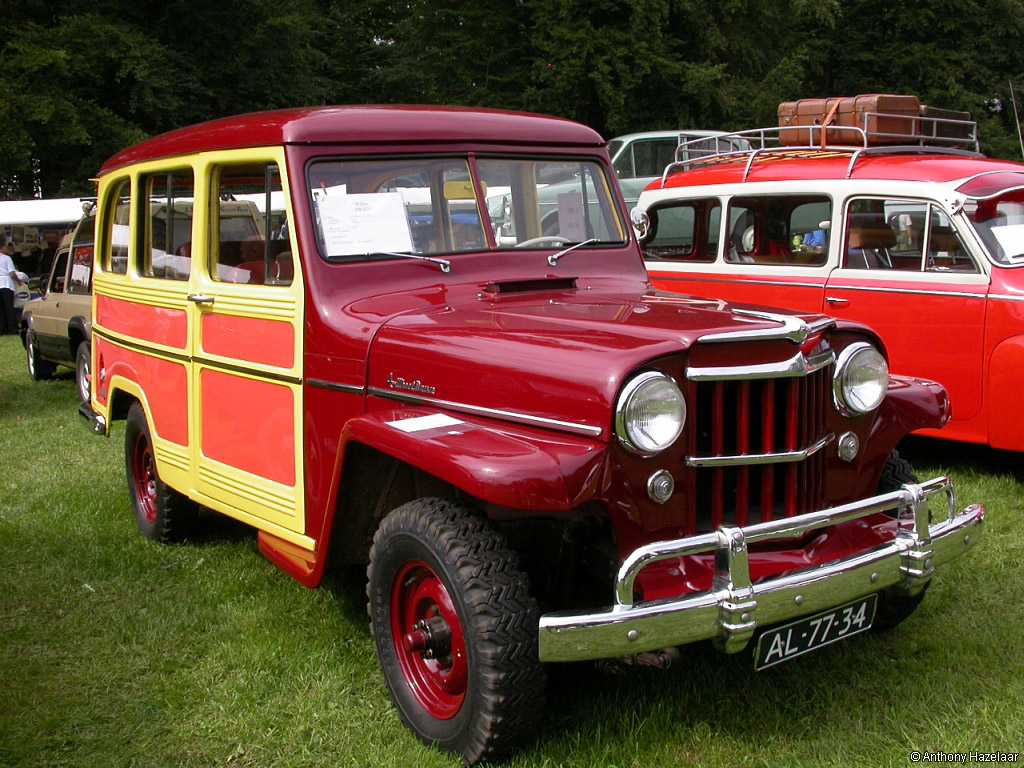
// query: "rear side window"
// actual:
[[167, 236], [81, 257], [116, 220], [251, 243], [780, 231], [685, 231], [652, 155]]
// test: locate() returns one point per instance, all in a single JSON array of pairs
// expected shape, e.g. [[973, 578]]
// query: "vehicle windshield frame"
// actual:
[[471, 158]]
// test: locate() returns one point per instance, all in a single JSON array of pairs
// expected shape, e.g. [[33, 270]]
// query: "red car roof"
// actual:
[[362, 124], [781, 166]]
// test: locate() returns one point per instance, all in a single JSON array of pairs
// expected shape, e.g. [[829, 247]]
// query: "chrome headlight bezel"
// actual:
[[624, 429], [845, 364]]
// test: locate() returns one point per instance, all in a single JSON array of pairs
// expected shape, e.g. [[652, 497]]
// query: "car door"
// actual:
[[77, 304], [48, 323], [906, 272], [246, 310], [771, 250]]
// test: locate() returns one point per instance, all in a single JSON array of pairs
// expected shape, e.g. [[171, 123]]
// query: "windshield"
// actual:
[[431, 206], [1000, 224]]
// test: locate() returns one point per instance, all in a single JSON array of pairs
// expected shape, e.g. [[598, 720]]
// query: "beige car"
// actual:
[[56, 327]]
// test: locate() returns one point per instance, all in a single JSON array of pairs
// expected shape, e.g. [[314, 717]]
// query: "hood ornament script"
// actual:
[[397, 382]]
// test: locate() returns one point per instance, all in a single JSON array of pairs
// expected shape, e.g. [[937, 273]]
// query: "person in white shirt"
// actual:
[[9, 279]]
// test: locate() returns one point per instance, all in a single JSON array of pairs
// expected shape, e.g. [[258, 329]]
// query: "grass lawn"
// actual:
[[118, 652]]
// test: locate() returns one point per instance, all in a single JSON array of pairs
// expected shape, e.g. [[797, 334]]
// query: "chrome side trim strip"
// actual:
[[793, 328], [1005, 297], [786, 457], [478, 410], [353, 389], [672, 278], [918, 291], [797, 365]]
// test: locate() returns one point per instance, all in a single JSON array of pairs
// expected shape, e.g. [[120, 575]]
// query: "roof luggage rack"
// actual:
[[927, 138]]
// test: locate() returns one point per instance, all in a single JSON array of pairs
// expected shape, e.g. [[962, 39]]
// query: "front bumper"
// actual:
[[734, 608]]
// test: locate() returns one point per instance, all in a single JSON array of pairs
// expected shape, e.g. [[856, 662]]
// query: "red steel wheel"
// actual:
[[162, 513], [144, 477], [429, 642]]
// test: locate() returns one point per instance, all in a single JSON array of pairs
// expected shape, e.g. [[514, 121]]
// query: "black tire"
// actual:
[[504, 682], [895, 607], [895, 473], [38, 368], [83, 370], [162, 513]]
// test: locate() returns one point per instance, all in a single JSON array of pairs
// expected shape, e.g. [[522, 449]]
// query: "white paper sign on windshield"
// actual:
[[364, 223], [571, 224], [1011, 238]]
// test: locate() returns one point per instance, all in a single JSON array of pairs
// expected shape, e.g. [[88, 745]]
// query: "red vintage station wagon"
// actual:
[[922, 241], [310, 321]]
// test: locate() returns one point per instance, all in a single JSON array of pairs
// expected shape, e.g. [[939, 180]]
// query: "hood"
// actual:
[[557, 359]]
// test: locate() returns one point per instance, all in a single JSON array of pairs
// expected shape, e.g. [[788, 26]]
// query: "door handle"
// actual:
[[200, 298], [836, 300]]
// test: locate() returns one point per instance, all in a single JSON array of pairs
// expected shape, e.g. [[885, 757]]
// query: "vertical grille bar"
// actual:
[[743, 445], [768, 446], [792, 434], [717, 446]]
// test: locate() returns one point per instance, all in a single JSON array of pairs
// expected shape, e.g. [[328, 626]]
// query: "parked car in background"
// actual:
[[537, 458], [56, 326], [639, 157], [921, 240]]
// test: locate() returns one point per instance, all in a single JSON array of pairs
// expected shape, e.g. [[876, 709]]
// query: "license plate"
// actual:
[[804, 635]]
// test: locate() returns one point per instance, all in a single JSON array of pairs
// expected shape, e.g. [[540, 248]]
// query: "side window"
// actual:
[[650, 157], [685, 231], [946, 252], [166, 247], [60, 272], [782, 231], [116, 221], [251, 243], [885, 234], [81, 257]]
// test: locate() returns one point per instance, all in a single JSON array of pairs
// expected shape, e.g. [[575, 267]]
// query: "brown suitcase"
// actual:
[[961, 131], [900, 113], [895, 122]]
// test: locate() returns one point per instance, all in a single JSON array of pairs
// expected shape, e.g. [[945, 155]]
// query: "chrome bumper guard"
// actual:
[[734, 608]]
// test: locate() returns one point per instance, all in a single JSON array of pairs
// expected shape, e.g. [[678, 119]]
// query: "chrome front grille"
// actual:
[[756, 447]]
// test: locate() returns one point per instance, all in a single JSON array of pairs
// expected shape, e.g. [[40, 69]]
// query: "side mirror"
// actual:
[[641, 222]]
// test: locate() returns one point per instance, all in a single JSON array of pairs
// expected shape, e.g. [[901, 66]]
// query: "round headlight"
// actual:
[[862, 377], [650, 414]]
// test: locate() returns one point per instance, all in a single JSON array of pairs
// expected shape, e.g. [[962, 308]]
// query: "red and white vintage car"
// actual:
[[923, 241]]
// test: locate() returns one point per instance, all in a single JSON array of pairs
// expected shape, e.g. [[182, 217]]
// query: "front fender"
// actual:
[[1005, 419], [509, 466], [910, 404]]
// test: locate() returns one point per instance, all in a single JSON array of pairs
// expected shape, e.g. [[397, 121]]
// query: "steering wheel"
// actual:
[[556, 239]]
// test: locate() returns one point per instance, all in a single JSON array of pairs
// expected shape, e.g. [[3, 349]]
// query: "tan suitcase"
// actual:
[[802, 112]]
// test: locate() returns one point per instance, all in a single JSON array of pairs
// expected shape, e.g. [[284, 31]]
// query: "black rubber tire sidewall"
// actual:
[[400, 549], [40, 369], [83, 351]]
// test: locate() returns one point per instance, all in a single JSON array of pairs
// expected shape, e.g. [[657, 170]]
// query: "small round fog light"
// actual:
[[849, 446], [660, 486]]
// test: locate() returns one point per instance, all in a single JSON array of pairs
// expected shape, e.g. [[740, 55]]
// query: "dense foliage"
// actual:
[[80, 80]]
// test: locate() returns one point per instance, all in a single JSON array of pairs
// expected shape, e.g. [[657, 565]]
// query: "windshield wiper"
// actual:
[[554, 257], [444, 264]]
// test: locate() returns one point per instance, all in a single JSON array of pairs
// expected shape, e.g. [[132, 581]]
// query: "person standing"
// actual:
[[9, 279]]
